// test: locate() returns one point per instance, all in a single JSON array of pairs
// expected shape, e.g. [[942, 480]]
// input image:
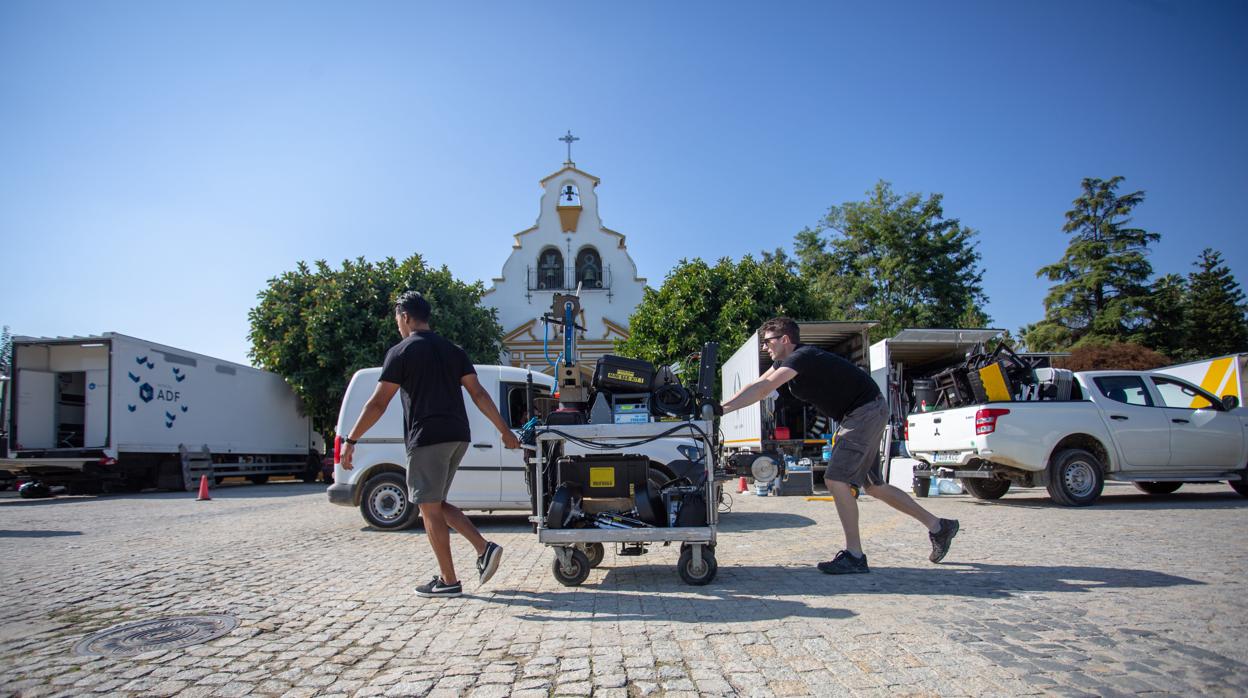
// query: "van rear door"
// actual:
[[35, 407]]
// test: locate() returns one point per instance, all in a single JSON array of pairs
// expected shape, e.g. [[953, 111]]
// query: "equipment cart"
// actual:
[[578, 549]]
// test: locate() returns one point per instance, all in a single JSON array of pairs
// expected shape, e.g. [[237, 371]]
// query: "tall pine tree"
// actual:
[[1166, 329], [1216, 322], [1102, 280]]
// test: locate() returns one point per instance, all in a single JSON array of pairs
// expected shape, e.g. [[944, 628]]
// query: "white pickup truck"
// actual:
[[490, 478], [1153, 430]]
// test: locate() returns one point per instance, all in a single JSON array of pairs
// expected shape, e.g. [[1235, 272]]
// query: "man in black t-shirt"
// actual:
[[430, 371], [848, 395]]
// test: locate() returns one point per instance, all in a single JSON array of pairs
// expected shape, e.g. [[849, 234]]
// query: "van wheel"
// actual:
[[1075, 478], [983, 488], [384, 503], [1158, 487]]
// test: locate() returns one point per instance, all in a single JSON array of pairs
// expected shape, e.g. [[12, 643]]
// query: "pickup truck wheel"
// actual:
[[1241, 485], [384, 502], [983, 488], [1075, 478], [1158, 487]]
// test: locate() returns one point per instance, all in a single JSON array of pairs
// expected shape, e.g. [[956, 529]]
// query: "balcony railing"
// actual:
[[566, 281]]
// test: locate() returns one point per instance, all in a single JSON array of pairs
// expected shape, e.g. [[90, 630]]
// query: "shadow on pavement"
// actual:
[[227, 490], [1129, 501], [37, 534], [738, 521], [713, 602]]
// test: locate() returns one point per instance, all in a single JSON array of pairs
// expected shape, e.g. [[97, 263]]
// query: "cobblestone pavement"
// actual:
[[1139, 594]]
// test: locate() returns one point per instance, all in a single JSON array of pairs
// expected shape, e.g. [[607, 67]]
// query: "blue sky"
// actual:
[[162, 160]]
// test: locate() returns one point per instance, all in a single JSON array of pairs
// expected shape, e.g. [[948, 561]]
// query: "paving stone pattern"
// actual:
[[1139, 594]]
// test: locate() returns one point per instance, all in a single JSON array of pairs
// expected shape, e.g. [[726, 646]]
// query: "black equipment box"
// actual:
[[797, 483], [618, 374], [605, 475]]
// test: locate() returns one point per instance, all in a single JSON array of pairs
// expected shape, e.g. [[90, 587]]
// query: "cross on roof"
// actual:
[[569, 139]]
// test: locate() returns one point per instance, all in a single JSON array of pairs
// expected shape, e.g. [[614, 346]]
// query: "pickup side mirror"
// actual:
[[1230, 402]]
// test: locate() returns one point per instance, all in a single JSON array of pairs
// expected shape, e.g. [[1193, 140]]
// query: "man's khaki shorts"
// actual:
[[856, 452]]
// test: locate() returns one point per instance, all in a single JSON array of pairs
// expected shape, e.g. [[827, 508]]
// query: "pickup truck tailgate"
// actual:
[[946, 434]]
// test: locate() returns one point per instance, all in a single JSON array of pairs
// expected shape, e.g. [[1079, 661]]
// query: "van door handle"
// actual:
[[1180, 421], [483, 445], [1119, 417]]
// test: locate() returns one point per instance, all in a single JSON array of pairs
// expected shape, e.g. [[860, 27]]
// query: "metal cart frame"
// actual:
[[571, 566]]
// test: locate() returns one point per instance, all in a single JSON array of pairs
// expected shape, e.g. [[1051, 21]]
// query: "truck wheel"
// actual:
[[258, 479], [922, 485], [312, 471], [1075, 478], [1158, 487], [575, 573], [384, 503], [983, 488], [693, 573], [1241, 485]]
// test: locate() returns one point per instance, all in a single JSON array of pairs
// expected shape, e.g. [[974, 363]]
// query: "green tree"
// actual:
[[1165, 307], [700, 303], [1102, 280], [1216, 322], [316, 326], [895, 259]]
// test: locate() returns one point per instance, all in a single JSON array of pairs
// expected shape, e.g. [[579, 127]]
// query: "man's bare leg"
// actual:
[[847, 511], [456, 519], [439, 538], [902, 502]]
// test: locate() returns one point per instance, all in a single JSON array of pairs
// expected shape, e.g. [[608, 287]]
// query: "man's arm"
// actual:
[[767, 383], [373, 409], [482, 400]]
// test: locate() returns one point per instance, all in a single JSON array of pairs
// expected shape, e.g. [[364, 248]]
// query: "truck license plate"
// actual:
[[947, 457]]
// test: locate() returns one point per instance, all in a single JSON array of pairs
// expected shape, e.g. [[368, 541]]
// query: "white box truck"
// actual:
[[115, 412]]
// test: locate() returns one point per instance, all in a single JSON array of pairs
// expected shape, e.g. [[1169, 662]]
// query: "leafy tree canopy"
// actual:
[[724, 303], [316, 326], [895, 259], [1215, 312], [1165, 308], [1101, 284]]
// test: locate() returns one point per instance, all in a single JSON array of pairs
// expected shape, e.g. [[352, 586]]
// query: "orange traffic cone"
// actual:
[[203, 489], [741, 485]]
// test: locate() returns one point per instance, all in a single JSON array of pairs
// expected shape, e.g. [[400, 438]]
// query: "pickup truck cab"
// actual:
[[1154, 430], [490, 477]]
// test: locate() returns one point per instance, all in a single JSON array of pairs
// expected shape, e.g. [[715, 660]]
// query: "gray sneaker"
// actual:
[[437, 587], [487, 563], [942, 538]]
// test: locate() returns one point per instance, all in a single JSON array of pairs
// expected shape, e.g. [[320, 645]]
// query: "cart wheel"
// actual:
[[596, 553], [697, 575], [575, 573]]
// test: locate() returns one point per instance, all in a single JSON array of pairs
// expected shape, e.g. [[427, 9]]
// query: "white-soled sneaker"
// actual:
[[437, 587], [487, 563]]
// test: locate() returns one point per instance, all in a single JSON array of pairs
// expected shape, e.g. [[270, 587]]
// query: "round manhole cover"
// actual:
[[159, 634]]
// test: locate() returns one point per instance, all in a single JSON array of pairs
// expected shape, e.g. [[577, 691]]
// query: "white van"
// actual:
[[490, 477]]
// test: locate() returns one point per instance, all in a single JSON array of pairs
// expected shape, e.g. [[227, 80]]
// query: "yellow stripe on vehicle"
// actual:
[[1216, 377]]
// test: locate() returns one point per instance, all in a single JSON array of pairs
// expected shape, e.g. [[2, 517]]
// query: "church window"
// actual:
[[550, 269], [589, 268]]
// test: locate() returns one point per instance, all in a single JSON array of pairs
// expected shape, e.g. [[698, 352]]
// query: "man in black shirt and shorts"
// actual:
[[430, 371], [848, 395]]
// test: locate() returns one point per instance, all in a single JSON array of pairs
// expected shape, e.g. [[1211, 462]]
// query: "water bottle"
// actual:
[[949, 486]]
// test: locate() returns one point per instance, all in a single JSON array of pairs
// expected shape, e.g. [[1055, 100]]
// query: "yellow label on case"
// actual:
[[602, 477]]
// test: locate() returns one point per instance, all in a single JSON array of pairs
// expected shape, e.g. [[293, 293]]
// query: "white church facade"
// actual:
[[567, 248]]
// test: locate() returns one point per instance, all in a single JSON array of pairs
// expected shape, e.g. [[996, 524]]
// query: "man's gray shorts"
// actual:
[[430, 470], [856, 452]]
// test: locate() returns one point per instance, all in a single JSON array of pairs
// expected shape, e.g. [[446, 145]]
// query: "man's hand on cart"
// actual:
[[510, 441]]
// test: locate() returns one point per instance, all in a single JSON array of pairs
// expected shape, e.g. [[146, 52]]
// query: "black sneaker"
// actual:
[[487, 563], [437, 587], [845, 562], [942, 538]]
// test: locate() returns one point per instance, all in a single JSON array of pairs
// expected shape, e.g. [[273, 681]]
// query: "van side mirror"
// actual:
[[1230, 402]]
